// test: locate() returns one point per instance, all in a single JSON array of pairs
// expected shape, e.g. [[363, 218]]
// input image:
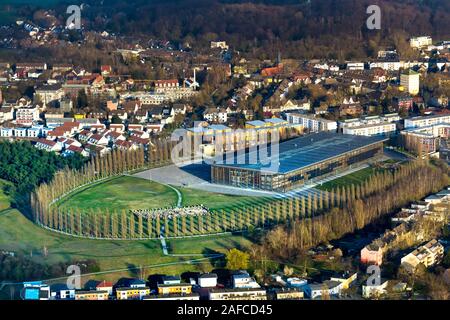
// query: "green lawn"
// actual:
[[4, 199], [216, 201], [136, 193], [20, 235], [122, 193], [355, 178], [209, 244]]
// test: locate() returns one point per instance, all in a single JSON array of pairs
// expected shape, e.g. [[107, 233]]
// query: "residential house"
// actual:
[[92, 295], [286, 294], [207, 280], [216, 115], [375, 290], [98, 139], [20, 132], [191, 296], [237, 294], [61, 292], [6, 114], [47, 145], [429, 255], [244, 280], [372, 254], [329, 288], [132, 293], [175, 288], [120, 128], [6, 132]]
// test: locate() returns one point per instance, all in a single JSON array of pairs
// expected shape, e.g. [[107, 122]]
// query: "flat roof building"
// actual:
[[296, 161]]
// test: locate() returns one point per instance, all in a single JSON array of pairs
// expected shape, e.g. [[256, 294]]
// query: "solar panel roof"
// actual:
[[298, 153]]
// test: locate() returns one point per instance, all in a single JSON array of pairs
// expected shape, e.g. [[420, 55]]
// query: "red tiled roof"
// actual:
[[75, 149], [104, 284], [47, 142]]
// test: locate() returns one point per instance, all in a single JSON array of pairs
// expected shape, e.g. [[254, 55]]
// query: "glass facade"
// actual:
[[282, 182]]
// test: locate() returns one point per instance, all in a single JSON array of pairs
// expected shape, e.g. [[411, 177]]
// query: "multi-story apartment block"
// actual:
[[237, 294], [91, 295], [420, 42], [371, 129], [131, 293], [410, 80], [424, 121], [429, 254], [26, 115], [311, 123], [49, 93]]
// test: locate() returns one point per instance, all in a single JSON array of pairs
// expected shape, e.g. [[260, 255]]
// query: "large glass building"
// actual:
[[293, 163]]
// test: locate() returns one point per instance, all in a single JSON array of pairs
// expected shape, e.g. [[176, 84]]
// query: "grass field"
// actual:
[[4, 199], [122, 193], [136, 193], [22, 236], [355, 178], [216, 201]]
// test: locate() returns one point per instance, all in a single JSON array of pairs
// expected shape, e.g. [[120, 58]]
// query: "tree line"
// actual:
[[308, 219], [388, 193]]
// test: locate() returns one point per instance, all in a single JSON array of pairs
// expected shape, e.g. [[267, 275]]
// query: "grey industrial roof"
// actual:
[[299, 153]]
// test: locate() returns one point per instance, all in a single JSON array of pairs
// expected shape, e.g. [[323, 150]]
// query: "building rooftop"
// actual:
[[301, 152]]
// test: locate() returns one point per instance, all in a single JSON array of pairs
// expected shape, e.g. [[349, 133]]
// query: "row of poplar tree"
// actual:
[[126, 225]]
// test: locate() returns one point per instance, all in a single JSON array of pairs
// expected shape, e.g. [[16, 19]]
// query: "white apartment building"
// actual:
[[311, 123], [6, 132], [20, 132], [371, 129], [389, 65], [424, 121], [216, 115], [410, 80], [237, 294], [49, 93], [371, 125], [355, 66], [244, 281], [26, 115], [428, 255], [219, 44], [420, 42]]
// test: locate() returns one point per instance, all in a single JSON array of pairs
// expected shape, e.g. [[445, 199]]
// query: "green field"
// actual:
[[20, 235], [355, 178], [217, 201], [135, 193], [122, 193], [4, 199]]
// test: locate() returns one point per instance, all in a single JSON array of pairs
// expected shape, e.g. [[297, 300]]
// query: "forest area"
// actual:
[[305, 29], [260, 29]]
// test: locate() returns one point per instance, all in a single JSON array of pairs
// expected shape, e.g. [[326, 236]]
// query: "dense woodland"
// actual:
[[27, 167], [317, 28]]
